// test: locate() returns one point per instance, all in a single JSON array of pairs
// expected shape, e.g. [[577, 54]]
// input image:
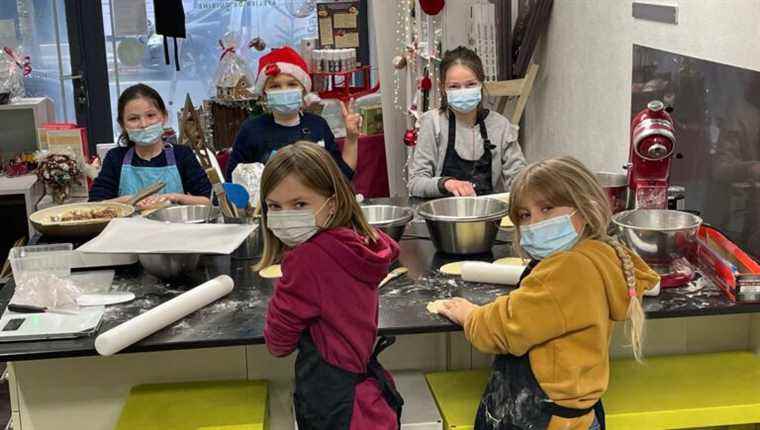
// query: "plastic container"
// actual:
[[31, 262]]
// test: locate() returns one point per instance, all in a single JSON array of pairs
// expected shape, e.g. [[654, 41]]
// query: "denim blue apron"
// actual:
[[133, 179]]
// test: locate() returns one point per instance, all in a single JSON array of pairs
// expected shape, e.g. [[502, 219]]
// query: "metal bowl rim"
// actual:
[[472, 218], [616, 218], [404, 219]]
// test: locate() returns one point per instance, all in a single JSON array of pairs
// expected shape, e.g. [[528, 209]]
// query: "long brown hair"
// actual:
[[565, 181], [460, 56], [315, 168]]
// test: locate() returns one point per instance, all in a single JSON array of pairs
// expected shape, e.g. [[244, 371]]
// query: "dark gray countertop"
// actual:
[[238, 319]]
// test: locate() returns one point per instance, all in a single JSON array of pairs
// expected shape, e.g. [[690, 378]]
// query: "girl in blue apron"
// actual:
[[551, 335], [147, 154], [463, 149]]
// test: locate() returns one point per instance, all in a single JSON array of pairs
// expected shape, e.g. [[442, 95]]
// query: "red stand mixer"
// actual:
[[652, 148], [652, 145]]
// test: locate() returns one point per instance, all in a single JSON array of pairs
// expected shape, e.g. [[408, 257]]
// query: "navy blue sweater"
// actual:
[[259, 137], [194, 179]]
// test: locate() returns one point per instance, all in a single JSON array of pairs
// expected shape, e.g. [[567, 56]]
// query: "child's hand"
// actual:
[[459, 188], [457, 310], [353, 121]]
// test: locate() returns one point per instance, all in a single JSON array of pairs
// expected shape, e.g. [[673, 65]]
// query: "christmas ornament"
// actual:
[[399, 62], [258, 44], [432, 7], [410, 137]]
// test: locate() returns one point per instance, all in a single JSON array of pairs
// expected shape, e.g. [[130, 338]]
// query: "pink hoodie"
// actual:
[[329, 286]]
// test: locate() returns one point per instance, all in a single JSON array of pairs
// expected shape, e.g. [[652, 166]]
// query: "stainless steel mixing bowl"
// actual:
[[188, 214], [658, 236], [390, 219], [169, 266], [463, 225]]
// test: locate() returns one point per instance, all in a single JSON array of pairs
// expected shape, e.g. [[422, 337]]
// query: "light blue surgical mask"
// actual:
[[146, 136], [285, 101], [464, 100], [548, 237]]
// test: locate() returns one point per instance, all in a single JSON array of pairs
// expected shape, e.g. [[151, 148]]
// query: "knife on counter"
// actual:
[[31, 309]]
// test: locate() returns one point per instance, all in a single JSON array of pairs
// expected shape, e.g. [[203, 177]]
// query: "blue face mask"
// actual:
[[146, 136], [464, 100], [285, 101], [545, 238]]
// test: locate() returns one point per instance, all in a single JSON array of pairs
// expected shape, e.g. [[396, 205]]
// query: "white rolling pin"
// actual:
[[489, 273], [144, 325]]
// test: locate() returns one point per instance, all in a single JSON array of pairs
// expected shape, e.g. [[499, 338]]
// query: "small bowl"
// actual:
[[658, 236], [463, 225], [189, 214], [392, 220]]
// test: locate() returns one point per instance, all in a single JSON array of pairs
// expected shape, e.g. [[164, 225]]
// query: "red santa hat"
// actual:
[[282, 60]]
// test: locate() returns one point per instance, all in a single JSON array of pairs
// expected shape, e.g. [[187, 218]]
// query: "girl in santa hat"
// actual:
[[283, 79]]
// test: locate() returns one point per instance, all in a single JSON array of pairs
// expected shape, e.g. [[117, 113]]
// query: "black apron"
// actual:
[[479, 171], [514, 400], [324, 394]]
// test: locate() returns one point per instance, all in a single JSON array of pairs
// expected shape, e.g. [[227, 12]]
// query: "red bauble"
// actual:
[[425, 83], [410, 137], [432, 7]]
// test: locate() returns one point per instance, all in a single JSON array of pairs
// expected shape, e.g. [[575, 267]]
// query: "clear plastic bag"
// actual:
[[249, 176], [46, 289], [233, 79]]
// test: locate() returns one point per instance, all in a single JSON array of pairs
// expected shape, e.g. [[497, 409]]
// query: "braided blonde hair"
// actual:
[[565, 181]]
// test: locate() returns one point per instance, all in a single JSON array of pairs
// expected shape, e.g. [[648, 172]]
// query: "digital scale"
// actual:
[[46, 325]]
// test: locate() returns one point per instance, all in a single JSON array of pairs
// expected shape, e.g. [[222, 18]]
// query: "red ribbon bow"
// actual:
[[225, 50], [24, 63]]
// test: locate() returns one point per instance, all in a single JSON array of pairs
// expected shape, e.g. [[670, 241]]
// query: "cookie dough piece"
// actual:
[[436, 306], [511, 261], [507, 223], [272, 272]]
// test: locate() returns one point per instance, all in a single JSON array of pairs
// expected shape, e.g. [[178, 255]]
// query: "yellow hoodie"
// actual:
[[562, 315]]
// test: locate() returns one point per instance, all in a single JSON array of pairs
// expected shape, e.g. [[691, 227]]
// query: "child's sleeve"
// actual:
[[537, 311], [294, 305]]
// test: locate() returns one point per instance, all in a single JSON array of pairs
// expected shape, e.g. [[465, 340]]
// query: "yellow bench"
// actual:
[[673, 392], [206, 405]]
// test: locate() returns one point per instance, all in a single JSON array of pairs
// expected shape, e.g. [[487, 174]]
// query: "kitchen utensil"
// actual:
[[652, 147], [390, 219], [395, 273], [186, 214], [615, 185], [659, 236], [147, 323], [103, 299], [41, 220], [237, 194], [146, 192], [31, 309], [490, 273], [169, 266], [463, 225]]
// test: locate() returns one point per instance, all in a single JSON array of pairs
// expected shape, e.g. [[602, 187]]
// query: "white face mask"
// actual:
[[294, 227]]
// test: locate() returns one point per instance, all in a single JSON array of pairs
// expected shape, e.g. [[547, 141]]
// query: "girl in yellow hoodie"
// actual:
[[551, 336]]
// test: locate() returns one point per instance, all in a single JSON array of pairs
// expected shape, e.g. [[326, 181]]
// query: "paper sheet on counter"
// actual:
[[141, 236]]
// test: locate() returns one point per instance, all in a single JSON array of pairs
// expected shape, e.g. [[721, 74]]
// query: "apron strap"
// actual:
[[128, 157], [170, 159]]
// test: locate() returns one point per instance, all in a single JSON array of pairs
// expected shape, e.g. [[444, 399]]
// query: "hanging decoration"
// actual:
[[418, 41], [432, 7], [258, 44]]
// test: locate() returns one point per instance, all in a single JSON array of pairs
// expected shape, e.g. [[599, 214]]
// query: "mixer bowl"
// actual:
[[463, 225], [392, 220], [658, 236]]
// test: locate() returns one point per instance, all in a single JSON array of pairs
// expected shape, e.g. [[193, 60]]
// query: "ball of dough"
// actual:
[[436, 306]]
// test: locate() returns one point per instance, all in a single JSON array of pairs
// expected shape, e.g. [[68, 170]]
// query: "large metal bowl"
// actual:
[[390, 219], [463, 225], [189, 214], [658, 236], [169, 266]]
